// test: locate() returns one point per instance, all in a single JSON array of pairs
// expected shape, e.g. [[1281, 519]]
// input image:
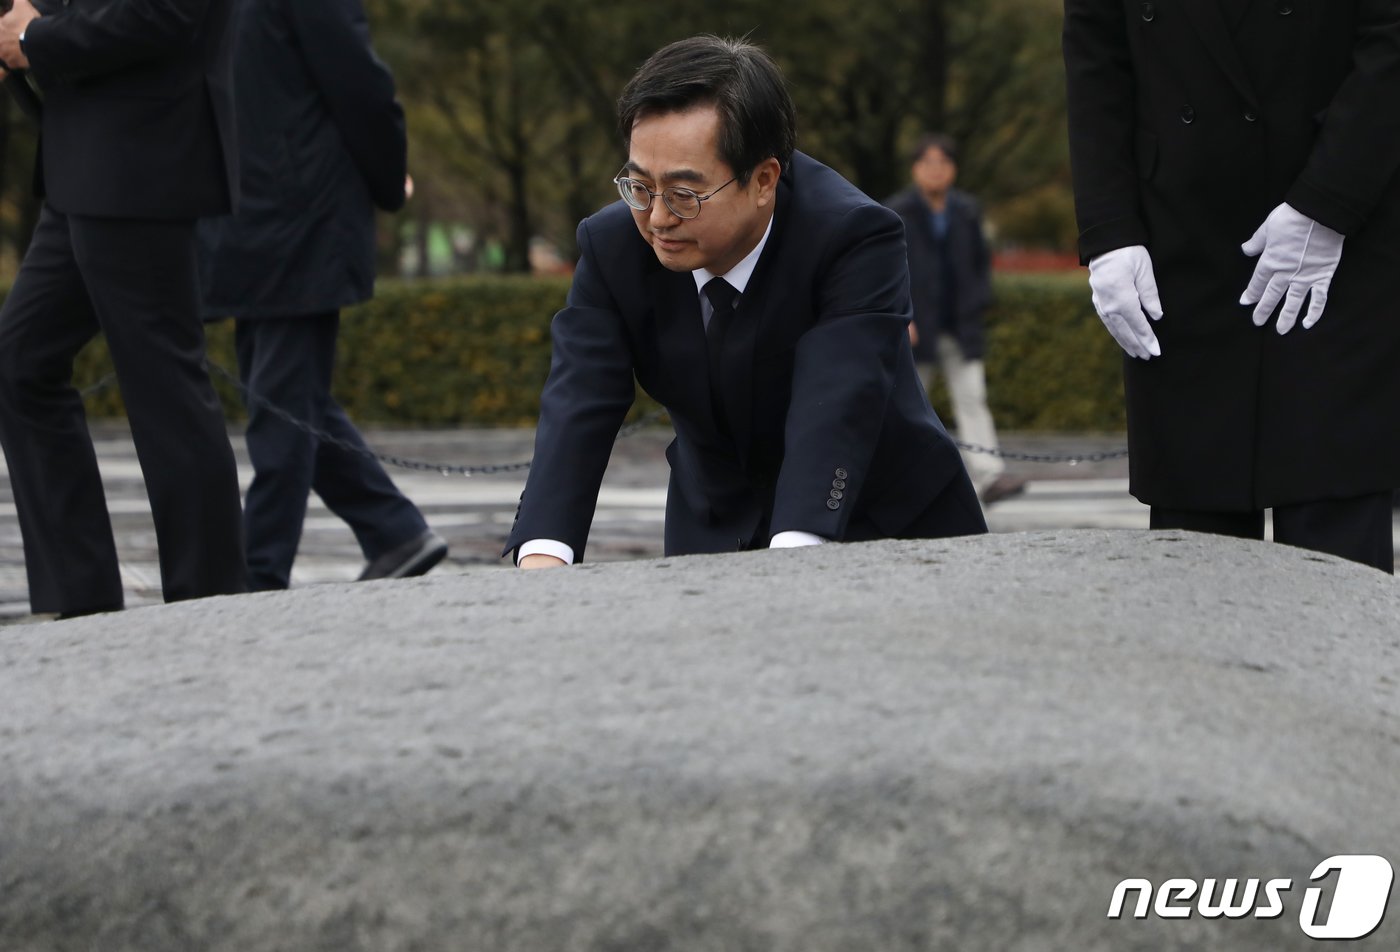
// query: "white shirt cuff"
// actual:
[[546, 547], [792, 539]]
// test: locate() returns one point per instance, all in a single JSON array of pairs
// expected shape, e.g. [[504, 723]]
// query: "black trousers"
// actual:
[[136, 283], [288, 363], [1358, 529]]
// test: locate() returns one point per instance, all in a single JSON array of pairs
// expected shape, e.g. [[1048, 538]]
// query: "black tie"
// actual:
[[721, 294]]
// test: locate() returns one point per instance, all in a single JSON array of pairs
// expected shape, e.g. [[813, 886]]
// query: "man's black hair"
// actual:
[[936, 140], [756, 115]]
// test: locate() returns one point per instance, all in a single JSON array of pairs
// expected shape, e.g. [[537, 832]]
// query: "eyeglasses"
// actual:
[[682, 202]]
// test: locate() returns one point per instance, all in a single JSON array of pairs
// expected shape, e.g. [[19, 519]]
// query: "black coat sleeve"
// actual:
[[1357, 153], [591, 387], [1101, 100], [843, 372], [84, 42], [359, 91]]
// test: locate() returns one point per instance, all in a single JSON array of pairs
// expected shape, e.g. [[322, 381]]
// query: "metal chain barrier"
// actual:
[[98, 387], [492, 469], [1073, 459]]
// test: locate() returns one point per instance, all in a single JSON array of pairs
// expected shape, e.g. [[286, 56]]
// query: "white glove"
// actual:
[[1125, 295], [1296, 255]]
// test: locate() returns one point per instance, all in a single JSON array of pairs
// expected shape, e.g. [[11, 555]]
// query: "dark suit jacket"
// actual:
[[138, 113], [321, 143], [971, 271], [832, 433], [1189, 122]]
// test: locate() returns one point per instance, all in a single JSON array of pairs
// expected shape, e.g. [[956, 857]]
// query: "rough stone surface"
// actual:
[[958, 744]]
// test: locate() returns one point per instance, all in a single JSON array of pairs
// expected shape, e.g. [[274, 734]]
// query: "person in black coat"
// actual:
[[950, 281], [1232, 160], [136, 142], [322, 144], [764, 301]]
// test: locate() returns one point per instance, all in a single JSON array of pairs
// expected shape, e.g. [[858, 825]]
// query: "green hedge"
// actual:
[[1050, 363], [472, 351], [476, 352]]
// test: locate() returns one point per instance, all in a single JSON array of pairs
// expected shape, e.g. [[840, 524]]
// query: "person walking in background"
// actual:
[[137, 142], [1239, 210], [322, 143], [763, 300], [950, 282]]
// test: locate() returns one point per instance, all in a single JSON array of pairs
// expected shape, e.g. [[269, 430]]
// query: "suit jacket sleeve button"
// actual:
[[1188, 114], [841, 473], [837, 494], [1149, 11], [833, 504], [838, 484]]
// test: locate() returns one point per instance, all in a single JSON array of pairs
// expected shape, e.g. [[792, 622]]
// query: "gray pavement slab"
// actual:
[[944, 744]]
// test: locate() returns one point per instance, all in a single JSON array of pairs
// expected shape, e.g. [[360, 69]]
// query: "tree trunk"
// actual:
[[521, 231], [934, 60], [423, 225]]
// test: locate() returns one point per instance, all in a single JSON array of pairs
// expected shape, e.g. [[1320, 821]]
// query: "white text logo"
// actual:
[[1360, 891]]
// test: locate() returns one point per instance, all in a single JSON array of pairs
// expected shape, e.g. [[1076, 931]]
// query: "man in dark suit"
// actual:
[[321, 143], [764, 301], [950, 280], [136, 142], [1207, 133]]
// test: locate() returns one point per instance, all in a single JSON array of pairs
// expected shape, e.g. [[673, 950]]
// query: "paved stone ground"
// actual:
[[474, 514]]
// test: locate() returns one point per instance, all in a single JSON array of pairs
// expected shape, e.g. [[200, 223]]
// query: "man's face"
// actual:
[[934, 172], [682, 149]]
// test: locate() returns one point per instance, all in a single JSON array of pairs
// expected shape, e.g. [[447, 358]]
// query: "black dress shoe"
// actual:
[[414, 557], [1003, 487]]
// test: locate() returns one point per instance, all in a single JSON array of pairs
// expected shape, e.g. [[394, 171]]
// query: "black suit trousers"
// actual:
[[1359, 528], [136, 283], [287, 363]]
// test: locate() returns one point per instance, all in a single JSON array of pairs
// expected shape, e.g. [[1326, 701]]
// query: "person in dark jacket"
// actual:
[[1235, 179], [950, 283], [137, 142], [322, 144], [764, 301]]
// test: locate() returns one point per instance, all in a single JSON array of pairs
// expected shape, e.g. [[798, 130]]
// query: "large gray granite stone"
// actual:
[[959, 744]]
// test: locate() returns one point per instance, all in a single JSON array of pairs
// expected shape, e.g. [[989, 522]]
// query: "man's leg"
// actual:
[[351, 482], [1241, 525], [283, 363], [288, 363], [354, 486], [142, 279], [1358, 529], [69, 554], [967, 387]]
